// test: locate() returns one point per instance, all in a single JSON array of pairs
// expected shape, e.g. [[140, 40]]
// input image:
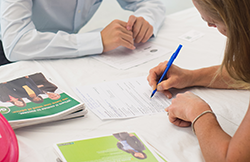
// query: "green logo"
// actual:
[[4, 110]]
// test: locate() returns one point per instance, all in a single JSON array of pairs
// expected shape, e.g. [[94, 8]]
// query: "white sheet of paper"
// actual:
[[122, 99], [124, 58], [191, 36]]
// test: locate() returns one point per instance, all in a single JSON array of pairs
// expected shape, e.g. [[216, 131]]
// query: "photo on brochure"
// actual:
[[32, 97], [121, 146]]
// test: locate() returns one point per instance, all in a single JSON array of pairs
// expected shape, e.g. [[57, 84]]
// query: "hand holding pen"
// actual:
[[170, 62]]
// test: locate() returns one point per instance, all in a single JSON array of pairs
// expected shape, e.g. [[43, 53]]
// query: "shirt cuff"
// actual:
[[89, 43]]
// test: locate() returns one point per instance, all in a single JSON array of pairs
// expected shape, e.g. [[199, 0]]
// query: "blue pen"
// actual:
[[170, 62]]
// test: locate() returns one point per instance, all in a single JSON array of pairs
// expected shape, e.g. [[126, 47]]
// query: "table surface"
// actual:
[[175, 143]]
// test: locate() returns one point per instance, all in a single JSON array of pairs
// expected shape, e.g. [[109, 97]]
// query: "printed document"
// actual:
[[124, 58], [122, 99], [115, 147]]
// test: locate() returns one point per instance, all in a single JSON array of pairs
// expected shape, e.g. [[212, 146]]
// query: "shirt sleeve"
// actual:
[[152, 11], [21, 40]]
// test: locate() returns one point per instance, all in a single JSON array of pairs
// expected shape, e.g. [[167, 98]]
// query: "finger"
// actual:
[[125, 36], [120, 27], [140, 35], [155, 73], [122, 33], [167, 94], [131, 22], [142, 32], [148, 34], [181, 123], [126, 43], [166, 84], [137, 26], [177, 121], [122, 23], [153, 78]]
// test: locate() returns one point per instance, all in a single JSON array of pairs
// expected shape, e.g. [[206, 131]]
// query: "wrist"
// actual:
[[192, 75], [200, 116], [197, 110]]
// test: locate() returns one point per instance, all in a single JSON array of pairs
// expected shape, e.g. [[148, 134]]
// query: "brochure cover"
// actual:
[[122, 146], [33, 98]]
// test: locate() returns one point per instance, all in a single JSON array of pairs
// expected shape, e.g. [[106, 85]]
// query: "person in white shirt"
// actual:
[[44, 29]]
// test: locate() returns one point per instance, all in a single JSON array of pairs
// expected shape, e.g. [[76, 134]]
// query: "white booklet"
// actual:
[[116, 147], [122, 99], [124, 58]]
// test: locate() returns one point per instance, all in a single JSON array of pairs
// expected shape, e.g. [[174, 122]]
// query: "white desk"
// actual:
[[176, 144]]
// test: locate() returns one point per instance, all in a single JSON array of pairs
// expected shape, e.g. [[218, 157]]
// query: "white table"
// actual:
[[175, 143]]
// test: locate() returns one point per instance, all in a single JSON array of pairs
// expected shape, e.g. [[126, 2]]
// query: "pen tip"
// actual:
[[153, 93]]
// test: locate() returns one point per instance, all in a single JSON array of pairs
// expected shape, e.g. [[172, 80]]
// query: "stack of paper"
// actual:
[[32, 99]]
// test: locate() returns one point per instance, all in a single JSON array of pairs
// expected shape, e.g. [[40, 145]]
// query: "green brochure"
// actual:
[[118, 147], [33, 99]]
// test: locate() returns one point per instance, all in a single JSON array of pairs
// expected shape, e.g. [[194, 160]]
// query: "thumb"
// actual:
[[166, 84]]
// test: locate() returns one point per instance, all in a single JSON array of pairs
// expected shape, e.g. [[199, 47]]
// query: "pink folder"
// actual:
[[8, 142]]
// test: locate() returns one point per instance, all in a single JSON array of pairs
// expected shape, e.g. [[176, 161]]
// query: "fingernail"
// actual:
[[168, 96]]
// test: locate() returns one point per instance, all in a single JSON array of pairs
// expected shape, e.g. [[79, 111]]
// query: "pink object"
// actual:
[[8, 142]]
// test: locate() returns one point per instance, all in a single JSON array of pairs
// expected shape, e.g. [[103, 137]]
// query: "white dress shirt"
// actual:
[[42, 29]]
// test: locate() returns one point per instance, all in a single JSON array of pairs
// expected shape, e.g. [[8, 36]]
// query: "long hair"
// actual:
[[235, 14]]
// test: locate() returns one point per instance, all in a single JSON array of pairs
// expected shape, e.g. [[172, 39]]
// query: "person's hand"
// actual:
[[175, 78], [40, 86], [33, 95], [141, 29], [115, 35], [185, 108]]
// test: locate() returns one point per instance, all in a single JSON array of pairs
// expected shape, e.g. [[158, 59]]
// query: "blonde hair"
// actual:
[[235, 14]]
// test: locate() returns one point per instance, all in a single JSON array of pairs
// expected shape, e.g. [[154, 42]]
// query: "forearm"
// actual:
[[23, 41], [214, 142], [36, 45], [216, 145], [211, 77]]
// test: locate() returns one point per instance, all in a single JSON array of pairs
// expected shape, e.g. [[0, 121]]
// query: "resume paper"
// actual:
[[122, 99]]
